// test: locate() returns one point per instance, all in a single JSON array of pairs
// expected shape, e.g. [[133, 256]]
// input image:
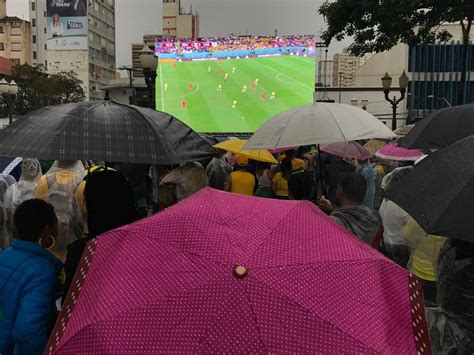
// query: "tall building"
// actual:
[[178, 23], [15, 38], [345, 66], [77, 36], [325, 71]]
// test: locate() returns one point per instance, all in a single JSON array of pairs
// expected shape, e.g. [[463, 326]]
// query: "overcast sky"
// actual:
[[218, 18]]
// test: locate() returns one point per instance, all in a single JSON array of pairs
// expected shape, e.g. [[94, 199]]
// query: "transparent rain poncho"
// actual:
[[21, 191]]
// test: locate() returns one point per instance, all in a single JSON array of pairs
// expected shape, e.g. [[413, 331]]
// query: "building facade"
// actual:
[[178, 23], [148, 40], [345, 66], [94, 62], [15, 37]]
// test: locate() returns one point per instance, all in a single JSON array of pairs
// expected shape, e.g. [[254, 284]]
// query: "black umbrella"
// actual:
[[103, 130], [441, 128], [439, 192]]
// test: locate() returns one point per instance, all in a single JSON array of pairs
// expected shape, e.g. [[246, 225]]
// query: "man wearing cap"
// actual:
[[241, 181]]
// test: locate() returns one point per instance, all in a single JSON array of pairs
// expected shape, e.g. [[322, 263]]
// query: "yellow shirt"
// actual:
[[280, 185], [242, 182], [297, 164], [424, 250]]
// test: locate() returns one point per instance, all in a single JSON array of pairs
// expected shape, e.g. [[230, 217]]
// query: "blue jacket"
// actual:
[[28, 277]]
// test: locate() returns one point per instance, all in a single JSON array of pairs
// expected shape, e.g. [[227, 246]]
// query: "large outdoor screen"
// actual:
[[218, 85], [66, 24]]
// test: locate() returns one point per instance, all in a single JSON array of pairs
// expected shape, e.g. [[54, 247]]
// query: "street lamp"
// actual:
[[8, 92], [403, 84], [149, 64]]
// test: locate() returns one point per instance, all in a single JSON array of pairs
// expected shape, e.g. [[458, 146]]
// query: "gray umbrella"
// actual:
[[103, 130]]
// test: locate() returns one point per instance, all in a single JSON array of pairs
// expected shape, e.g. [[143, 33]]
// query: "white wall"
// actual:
[[377, 105]]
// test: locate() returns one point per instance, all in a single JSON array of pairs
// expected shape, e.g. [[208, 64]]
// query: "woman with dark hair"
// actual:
[[280, 179], [28, 277], [110, 204]]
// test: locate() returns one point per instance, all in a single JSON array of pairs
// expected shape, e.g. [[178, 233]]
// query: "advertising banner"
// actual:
[[66, 24]]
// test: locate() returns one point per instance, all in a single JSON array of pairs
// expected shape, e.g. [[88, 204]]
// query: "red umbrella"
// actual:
[[226, 273], [347, 150]]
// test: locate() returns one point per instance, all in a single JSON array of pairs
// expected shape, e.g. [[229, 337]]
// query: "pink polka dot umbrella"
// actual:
[[226, 273], [394, 152]]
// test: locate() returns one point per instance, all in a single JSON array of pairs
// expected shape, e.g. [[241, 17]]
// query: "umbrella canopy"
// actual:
[[347, 150], [439, 192], [226, 273], [374, 145], [318, 123], [394, 152], [236, 146], [441, 128], [103, 130]]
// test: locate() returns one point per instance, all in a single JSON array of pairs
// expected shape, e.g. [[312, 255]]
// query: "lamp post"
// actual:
[[149, 64], [8, 92], [386, 84]]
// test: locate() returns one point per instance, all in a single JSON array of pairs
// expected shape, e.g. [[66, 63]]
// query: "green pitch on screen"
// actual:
[[190, 92]]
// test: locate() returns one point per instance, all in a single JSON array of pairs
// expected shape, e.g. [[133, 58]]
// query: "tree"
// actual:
[[37, 89], [378, 25]]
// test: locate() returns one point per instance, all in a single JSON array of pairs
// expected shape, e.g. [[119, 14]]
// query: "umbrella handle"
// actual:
[[321, 171]]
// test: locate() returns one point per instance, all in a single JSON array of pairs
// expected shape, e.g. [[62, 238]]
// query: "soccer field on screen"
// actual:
[[190, 91]]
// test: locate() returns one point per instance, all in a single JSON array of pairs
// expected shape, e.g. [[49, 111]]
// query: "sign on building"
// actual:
[[67, 24]]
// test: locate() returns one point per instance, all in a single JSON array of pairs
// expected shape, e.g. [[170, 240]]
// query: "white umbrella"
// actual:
[[319, 123]]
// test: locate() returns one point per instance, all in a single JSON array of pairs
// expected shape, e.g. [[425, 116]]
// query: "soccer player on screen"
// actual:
[[190, 86], [244, 89], [183, 104], [166, 86], [226, 76], [219, 88], [256, 81], [273, 95], [253, 85], [209, 69], [233, 70], [234, 105], [264, 95], [219, 72]]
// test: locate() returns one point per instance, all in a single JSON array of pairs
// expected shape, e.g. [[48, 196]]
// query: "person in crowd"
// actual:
[[23, 190], [63, 187], [241, 181], [382, 167], [218, 171], [394, 220], [5, 182], [367, 171], [296, 163], [280, 179], [110, 204], [28, 277], [333, 171], [357, 218], [186, 180], [452, 327], [264, 180], [157, 173], [300, 185], [137, 175], [424, 252]]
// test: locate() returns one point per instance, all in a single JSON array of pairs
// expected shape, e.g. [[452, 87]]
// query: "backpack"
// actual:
[[62, 197]]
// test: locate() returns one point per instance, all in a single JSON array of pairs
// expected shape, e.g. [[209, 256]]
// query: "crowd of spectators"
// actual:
[[184, 45]]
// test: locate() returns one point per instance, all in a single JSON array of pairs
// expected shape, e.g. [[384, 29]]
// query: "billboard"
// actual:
[[66, 24]]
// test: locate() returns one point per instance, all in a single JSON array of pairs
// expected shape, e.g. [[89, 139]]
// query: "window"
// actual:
[[1, 47], [34, 55], [33, 6], [91, 36], [1, 29], [45, 46], [45, 30], [15, 60], [34, 39], [33, 22], [44, 13], [15, 31], [16, 47]]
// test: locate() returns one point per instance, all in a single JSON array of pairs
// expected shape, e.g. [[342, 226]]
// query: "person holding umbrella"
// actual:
[[352, 214]]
